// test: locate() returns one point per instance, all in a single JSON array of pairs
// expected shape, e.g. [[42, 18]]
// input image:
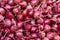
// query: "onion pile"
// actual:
[[29, 20]]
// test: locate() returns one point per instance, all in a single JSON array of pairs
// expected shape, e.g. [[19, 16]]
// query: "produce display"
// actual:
[[29, 19]]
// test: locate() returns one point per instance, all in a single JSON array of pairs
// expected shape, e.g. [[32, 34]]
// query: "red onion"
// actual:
[[13, 28], [23, 3], [11, 35], [9, 15], [46, 38], [7, 31], [29, 7], [50, 35], [7, 38], [17, 1], [16, 9], [8, 7], [19, 24], [7, 22], [47, 28], [11, 2], [27, 26], [37, 14], [40, 21], [2, 11], [19, 17], [42, 34], [25, 12], [56, 37], [33, 29], [33, 35], [33, 22], [34, 2], [19, 34], [1, 18]]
